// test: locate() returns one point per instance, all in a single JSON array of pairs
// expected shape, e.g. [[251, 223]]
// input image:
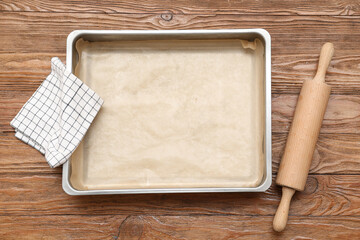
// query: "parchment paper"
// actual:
[[177, 113]]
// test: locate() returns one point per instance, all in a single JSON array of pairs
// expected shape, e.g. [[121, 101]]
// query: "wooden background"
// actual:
[[32, 202]]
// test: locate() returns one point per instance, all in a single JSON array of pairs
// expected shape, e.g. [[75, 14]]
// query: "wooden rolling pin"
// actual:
[[303, 135]]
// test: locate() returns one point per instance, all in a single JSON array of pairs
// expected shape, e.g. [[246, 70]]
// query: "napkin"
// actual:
[[56, 117]]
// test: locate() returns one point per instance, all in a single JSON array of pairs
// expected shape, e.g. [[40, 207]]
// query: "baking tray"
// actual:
[[181, 35]]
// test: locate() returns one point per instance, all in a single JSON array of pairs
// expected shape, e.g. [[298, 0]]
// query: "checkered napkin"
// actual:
[[57, 115]]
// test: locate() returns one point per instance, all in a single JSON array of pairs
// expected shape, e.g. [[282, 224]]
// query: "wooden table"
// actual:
[[32, 202]]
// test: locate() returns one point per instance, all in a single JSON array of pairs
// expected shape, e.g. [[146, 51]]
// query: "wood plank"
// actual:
[[334, 154], [290, 34], [325, 195], [290, 70], [342, 115], [25, 71], [174, 227], [295, 54], [225, 227], [60, 227], [276, 7], [21, 72]]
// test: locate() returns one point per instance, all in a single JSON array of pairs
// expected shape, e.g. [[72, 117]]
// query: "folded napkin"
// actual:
[[56, 117]]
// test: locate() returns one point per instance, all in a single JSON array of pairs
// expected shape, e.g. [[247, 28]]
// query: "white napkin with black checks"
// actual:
[[56, 117]]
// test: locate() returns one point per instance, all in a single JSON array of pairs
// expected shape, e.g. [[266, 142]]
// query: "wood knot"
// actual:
[[131, 228], [167, 16], [311, 186]]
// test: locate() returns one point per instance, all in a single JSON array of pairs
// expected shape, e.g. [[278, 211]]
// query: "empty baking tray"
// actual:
[[184, 111]]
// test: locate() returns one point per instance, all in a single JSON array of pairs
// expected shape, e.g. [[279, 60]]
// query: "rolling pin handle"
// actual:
[[281, 216], [327, 51]]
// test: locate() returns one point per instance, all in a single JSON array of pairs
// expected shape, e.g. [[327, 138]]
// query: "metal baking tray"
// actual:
[[137, 35]]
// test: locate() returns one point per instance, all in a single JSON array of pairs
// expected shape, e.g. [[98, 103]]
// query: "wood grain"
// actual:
[[325, 195], [277, 7], [174, 227]]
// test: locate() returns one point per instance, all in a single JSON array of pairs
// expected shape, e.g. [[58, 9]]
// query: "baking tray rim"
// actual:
[[76, 34]]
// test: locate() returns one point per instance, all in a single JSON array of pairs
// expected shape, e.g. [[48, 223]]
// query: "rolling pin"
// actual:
[[303, 135]]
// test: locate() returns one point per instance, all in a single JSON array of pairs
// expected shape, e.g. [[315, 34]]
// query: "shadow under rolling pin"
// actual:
[[303, 135]]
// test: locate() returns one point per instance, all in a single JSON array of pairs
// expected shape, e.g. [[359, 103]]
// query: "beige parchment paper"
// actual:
[[176, 114]]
